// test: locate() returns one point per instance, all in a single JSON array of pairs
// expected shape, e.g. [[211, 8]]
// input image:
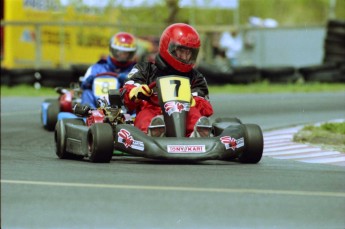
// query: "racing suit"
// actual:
[[146, 73], [102, 66]]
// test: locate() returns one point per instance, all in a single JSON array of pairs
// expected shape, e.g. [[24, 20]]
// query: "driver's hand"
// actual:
[[141, 92]]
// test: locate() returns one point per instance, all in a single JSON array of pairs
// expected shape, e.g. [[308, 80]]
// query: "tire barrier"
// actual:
[[329, 72], [43, 77], [79, 70], [245, 75], [56, 77], [283, 74], [5, 76], [19, 76], [237, 75], [334, 44], [213, 75]]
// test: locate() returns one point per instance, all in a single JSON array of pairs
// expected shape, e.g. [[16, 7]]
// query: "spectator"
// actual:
[[232, 45]]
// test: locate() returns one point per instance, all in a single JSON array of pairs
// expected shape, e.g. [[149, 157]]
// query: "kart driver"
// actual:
[[178, 50], [122, 49]]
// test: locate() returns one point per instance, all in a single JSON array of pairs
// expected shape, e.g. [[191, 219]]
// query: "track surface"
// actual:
[[40, 191]]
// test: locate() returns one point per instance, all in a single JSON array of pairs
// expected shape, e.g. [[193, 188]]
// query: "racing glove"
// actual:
[[192, 102], [140, 92]]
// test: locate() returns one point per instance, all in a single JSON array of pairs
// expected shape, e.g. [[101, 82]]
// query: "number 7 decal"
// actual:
[[177, 84], [174, 88]]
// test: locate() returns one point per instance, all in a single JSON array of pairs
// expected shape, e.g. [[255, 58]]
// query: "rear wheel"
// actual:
[[254, 144], [60, 138], [100, 143]]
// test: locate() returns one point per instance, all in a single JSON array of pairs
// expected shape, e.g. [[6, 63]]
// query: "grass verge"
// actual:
[[262, 87], [329, 136]]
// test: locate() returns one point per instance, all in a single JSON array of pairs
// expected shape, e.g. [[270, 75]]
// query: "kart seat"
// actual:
[[115, 98]]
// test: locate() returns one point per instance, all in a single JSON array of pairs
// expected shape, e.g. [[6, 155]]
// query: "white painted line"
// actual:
[[271, 145], [283, 131], [306, 155], [325, 160], [278, 142], [296, 151], [297, 146], [285, 136], [178, 188]]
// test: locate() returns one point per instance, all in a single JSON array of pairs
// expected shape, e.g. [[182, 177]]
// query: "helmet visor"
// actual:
[[182, 53], [122, 56]]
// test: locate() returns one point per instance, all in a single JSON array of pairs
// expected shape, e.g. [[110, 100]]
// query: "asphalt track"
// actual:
[[40, 191]]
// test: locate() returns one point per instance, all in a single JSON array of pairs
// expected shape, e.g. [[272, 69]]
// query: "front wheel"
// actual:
[[254, 144], [100, 143]]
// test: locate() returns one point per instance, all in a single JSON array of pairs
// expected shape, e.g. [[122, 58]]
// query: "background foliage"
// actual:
[[286, 12]]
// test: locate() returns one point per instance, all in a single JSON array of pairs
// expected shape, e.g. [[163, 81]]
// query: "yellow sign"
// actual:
[[175, 88], [102, 85], [49, 34]]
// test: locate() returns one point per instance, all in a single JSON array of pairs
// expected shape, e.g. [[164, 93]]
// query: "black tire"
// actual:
[[309, 70], [100, 143], [42, 117], [330, 76], [52, 113], [60, 138], [253, 143], [213, 75], [5, 77], [21, 76], [79, 70], [284, 74], [245, 75]]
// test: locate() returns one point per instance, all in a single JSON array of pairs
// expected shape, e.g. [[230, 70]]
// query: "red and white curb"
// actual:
[[279, 144]]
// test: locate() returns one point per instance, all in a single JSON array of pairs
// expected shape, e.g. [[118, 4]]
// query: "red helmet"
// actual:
[[177, 37], [122, 47]]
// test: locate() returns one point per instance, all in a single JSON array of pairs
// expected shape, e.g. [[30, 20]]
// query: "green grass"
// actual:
[[263, 87], [327, 135], [26, 90]]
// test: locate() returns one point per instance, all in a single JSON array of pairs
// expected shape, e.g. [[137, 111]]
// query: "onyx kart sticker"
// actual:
[[232, 143], [171, 107], [125, 137], [186, 148]]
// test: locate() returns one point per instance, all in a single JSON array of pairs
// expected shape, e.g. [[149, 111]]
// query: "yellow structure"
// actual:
[[54, 33]]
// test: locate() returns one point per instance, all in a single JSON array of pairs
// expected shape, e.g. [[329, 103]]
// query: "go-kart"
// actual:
[[106, 130], [53, 110], [50, 108]]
